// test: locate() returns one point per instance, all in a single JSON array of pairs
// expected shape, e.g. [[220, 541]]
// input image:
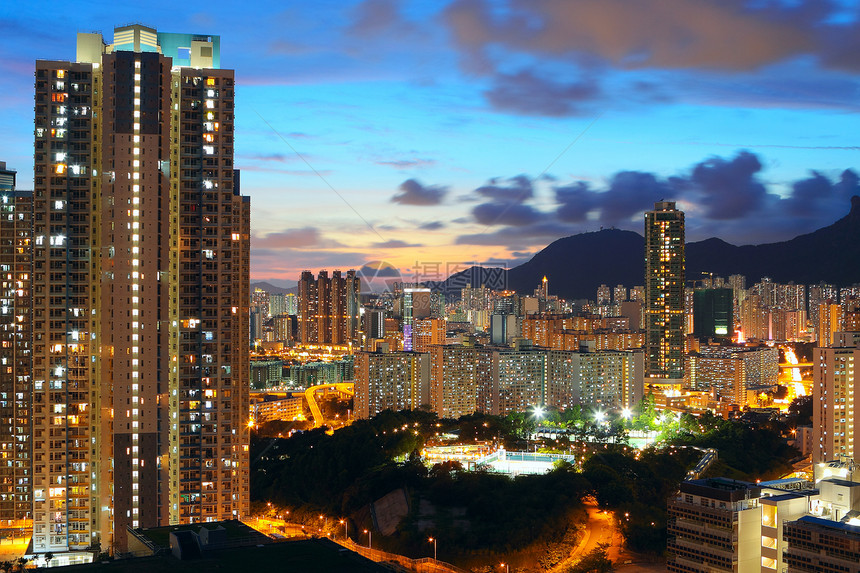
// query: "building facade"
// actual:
[[140, 291], [664, 291], [715, 525], [390, 381], [328, 308], [16, 408], [713, 313], [835, 392]]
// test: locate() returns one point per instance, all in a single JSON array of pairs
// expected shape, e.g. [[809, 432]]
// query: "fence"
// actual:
[[423, 565]]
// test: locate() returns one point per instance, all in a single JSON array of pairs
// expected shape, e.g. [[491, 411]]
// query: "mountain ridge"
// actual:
[[576, 265]]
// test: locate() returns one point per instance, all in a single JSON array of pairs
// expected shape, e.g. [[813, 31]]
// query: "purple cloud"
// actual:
[[414, 193]]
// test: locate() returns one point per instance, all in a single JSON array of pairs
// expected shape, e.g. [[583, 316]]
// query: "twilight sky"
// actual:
[[459, 131]]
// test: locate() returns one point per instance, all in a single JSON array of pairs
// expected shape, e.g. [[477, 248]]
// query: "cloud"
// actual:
[[394, 244], [414, 193], [289, 263], [630, 193], [817, 195], [805, 192], [729, 188], [518, 189], [714, 34], [432, 226], [514, 214], [525, 93], [575, 201], [408, 163], [555, 57], [294, 238], [532, 235], [373, 18], [849, 184], [379, 269], [722, 196]]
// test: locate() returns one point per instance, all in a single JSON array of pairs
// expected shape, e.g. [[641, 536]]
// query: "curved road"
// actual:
[[600, 528], [343, 387]]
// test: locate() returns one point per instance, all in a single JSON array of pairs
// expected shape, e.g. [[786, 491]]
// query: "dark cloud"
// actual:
[[394, 244], [805, 193], [817, 195], [840, 45], [514, 214], [723, 197], [414, 193], [729, 188], [630, 193], [432, 226], [532, 235], [294, 238], [518, 189], [575, 201], [525, 93], [849, 184]]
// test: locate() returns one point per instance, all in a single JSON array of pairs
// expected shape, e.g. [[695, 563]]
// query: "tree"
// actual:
[[801, 409], [595, 561], [48, 557]]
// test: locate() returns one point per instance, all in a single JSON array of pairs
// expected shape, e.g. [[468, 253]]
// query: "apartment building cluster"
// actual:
[[458, 379]]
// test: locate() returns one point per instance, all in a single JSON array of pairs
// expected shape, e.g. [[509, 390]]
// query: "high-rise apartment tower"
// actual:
[[16, 467], [328, 308], [664, 291], [140, 291]]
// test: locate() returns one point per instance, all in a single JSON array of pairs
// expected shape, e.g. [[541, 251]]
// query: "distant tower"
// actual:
[[544, 289], [664, 291]]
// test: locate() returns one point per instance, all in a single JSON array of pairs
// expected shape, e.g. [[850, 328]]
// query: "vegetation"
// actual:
[[594, 561], [471, 513]]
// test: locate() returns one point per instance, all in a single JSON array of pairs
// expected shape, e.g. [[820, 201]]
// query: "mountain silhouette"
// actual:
[[575, 266]]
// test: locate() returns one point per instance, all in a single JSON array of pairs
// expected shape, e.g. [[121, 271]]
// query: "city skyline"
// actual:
[[470, 132]]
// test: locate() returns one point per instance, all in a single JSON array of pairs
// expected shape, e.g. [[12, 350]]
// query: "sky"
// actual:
[[432, 135]]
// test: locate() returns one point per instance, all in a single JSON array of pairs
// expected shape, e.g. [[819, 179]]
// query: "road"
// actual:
[[600, 528], [343, 387]]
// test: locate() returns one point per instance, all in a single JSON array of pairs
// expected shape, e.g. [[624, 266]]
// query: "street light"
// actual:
[[433, 539], [507, 567], [345, 529], [369, 539]]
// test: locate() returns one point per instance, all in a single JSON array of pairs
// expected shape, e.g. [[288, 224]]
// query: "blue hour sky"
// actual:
[[474, 130]]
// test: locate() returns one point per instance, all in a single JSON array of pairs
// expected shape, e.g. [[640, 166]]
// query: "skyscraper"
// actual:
[[140, 291], [664, 291], [328, 308], [16, 467]]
